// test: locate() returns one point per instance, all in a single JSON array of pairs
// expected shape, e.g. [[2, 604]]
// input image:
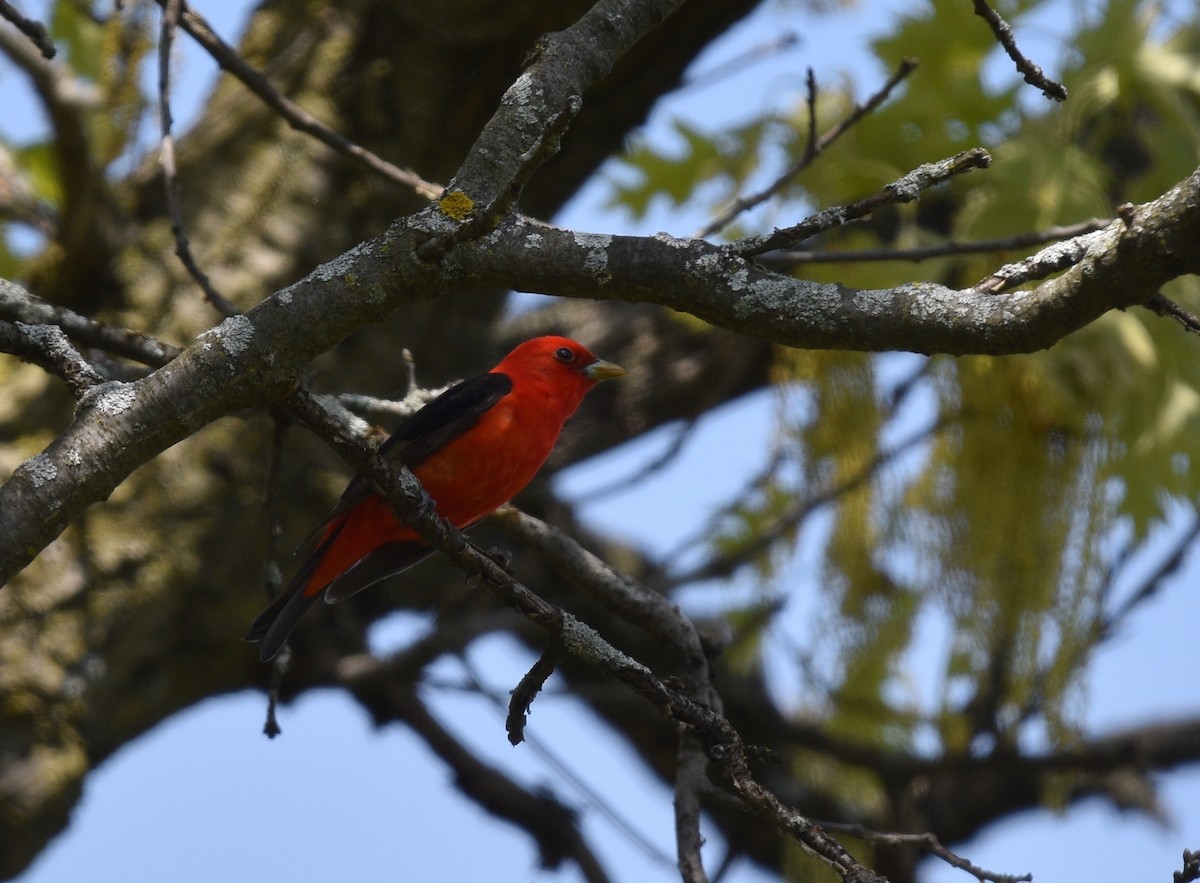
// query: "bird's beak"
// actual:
[[602, 370]]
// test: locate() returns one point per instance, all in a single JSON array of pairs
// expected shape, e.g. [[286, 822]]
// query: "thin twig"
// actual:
[[528, 688], [297, 117], [1168, 309], [170, 20], [691, 779], [388, 409], [905, 189], [18, 305], [682, 435], [816, 146], [784, 260], [751, 56], [810, 144], [1191, 867], [34, 30], [595, 798], [279, 667], [725, 563], [1170, 564], [1046, 262], [928, 842], [1032, 73]]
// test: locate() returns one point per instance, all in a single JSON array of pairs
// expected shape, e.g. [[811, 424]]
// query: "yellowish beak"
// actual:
[[602, 370]]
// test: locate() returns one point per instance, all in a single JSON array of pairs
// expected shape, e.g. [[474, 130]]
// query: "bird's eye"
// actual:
[[564, 354]]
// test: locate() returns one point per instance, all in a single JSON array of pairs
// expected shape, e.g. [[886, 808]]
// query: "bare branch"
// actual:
[[691, 781], [231, 61], [595, 798], [183, 250], [388, 409], [930, 844], [18, 305], [721, 741], [252, 360], [525, 691], [1191, 867], [787, 260], [1168, 309], [535, 112], [815, 147], [1033, 74], [47, 346], [906, 189], [1046, 262], [34, 30]]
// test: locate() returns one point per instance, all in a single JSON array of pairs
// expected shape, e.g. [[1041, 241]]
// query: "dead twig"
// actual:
[[525, 691], [815, 146], [930, 844], [47, 346], [170, 21], [299, 119], [905, 189], [785, 260], [1032, 73], [1163, 306], [34, 30]]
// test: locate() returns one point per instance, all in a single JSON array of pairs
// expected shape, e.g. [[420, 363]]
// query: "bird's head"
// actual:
[[559, 361]]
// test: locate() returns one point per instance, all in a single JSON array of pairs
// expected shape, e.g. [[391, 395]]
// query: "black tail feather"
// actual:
[[272, 627], [274, 624]]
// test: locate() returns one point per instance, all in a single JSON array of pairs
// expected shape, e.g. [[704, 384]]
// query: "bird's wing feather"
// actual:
[[423, 434], [382, 562]]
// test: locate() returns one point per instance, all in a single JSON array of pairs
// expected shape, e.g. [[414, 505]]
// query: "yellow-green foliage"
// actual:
[[1003, 524]]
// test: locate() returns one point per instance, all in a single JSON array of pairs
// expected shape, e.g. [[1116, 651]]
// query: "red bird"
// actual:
[[474, 448]]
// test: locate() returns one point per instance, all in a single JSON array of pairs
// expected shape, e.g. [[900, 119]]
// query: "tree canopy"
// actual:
[[966, 288]]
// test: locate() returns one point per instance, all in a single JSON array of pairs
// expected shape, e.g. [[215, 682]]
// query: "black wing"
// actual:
[[433, 427]]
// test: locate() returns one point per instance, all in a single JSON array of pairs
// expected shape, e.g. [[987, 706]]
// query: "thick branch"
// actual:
[[1118, 267], [536, 111], [252, 360]]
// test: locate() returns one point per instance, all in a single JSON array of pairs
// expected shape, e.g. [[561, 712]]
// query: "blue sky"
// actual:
[[206, 797]]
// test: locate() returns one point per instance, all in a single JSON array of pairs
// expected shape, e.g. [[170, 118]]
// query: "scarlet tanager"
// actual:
[[474, 447]]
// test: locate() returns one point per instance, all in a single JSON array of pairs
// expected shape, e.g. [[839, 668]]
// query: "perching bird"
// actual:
[[474, 447]]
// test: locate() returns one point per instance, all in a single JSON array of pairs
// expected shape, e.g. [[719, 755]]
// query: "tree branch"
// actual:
[[252, 360], [814, 148], [929, 843], [231, 61], [784, 261], [720, 740], [47, 346], [170, 20], [906, 189], [535, 112], [1191, 867], [32, 29], [1033, 74]]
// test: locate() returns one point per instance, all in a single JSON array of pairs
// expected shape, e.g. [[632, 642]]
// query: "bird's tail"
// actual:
[[272, 627]]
